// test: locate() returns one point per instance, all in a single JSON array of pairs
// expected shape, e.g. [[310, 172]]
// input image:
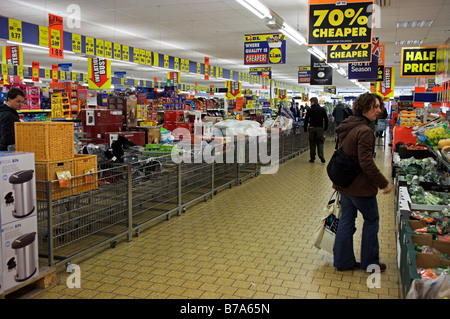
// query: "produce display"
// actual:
[[421, 170], [420, 196], [431, 250], [432, 273], [432, 133]]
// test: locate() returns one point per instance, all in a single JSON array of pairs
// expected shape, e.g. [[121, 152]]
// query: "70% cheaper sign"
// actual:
[[339, 22]]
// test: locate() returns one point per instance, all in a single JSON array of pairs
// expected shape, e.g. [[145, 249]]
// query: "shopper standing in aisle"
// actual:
[[357, 140], [316, 123], [339, 113], [9, 115]]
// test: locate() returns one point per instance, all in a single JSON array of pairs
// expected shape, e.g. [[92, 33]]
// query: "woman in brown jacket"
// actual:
[[357, 140]]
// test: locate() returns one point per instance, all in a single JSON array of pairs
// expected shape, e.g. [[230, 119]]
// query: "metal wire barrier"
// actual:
[[118, 200]]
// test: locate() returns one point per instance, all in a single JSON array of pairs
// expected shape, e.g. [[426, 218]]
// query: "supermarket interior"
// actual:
[[167, 149]]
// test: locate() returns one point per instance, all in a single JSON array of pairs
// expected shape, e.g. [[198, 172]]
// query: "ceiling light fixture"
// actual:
[[418, 42], [317, 52], [257, 8], [415, 24], [342, 72], [333, 65], [292, 34], [27, 45]]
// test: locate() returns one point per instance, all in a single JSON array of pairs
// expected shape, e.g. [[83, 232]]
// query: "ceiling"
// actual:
[[193, 29]]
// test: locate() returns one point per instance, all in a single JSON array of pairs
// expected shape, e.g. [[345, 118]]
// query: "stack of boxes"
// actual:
[[19, 259], [65, 99], [128, 108], [97, 122]]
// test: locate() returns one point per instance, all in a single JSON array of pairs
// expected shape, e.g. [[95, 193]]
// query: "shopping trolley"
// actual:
[[380, 129]]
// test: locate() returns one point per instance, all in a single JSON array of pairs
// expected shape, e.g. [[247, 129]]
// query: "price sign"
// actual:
[[148, 57], [99, 47], [117, 51], [76, 43], [349, 53], [55, 27], [339, 22], [15, 30], [35, 71], [90, 46], [43, 36], [125, 53], [108, 50]]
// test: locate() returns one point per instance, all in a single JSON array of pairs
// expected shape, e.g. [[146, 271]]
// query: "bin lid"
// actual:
[[23, 240], [21, 177]]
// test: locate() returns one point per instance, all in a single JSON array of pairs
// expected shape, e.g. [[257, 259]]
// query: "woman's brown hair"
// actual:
[[364, 103]]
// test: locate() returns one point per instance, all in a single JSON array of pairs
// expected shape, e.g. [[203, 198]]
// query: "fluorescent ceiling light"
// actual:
[[333, 65], [415, 24], [317, 52], [257, 8], [418, 42], [27, 45], [292, 34], [341, 71]]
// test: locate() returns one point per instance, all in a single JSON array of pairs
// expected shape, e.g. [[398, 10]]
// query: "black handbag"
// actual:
[[342, 169]]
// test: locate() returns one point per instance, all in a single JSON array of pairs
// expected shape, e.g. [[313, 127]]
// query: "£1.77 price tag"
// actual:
[[340, 22]]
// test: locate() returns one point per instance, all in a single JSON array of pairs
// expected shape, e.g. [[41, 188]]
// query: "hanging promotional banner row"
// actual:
[[57, 40]]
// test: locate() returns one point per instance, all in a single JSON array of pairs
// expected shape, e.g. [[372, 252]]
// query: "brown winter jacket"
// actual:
[[357, 140]]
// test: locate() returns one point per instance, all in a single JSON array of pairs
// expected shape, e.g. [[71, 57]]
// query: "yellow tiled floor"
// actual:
[[251, 241]]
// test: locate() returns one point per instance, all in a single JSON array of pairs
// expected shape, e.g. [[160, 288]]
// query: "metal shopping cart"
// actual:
[[380, 132]]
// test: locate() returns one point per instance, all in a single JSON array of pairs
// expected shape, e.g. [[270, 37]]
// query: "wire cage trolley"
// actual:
[[119, 199]]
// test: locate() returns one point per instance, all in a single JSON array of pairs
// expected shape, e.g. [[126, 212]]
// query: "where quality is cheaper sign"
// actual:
[[418, 62], [265, 48], [339, 22]]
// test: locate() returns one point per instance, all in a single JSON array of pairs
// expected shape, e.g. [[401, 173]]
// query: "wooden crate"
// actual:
[[46, 172], [81, 164], [49, 141]]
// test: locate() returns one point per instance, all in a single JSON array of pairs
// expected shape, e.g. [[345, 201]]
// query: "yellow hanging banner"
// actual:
[[43, 36], [15, 30], [76, 43], [90, 46]]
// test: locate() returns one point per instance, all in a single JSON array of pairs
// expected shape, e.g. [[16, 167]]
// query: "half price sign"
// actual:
[[339, 22]]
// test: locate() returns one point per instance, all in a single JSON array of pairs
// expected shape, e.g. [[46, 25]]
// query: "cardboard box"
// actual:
[[20, 258], [152, 133], [17, 186], [431, 260]]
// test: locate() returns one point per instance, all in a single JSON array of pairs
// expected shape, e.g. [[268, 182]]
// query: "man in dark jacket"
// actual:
[[9, 115], [316, 122], [339, 113]]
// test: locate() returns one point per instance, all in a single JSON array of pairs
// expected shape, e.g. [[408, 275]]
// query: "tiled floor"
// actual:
[[250, 241]]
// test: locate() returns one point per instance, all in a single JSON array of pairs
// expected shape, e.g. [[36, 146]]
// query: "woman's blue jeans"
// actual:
[[344, 256]]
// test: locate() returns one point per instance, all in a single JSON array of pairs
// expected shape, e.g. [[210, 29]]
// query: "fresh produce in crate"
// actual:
[[432, 136], [421, 170], [432, 273], [441, 228]]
